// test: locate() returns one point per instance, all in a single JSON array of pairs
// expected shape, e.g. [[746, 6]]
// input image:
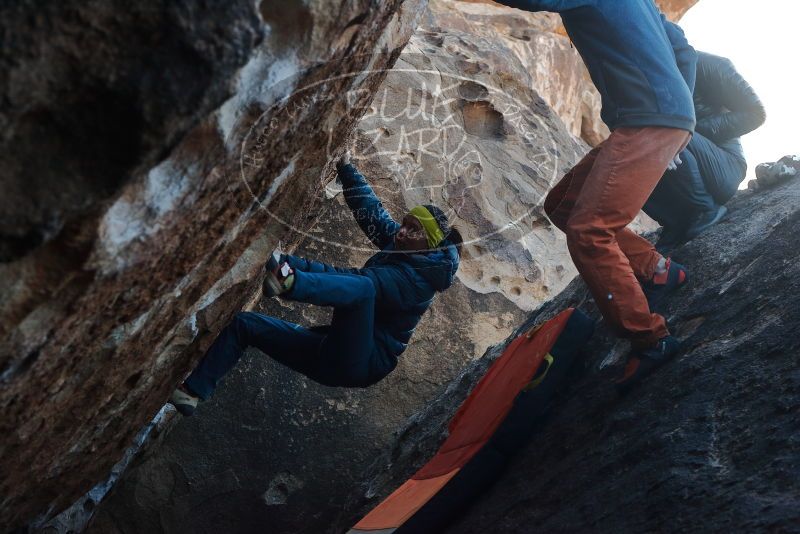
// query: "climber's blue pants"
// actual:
[[343, 354], [709, 176]]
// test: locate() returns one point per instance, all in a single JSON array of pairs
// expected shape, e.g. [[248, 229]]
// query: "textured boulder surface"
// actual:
[[458, 122], [92, 90], [152, 156], [709, 442], [275, 448], [554, 67], [551, 65]]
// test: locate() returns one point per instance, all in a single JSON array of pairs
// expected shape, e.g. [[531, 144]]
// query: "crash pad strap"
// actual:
[[548, 358]]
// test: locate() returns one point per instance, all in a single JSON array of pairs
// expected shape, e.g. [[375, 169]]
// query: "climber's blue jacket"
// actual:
[[405, 284], [640, 62]]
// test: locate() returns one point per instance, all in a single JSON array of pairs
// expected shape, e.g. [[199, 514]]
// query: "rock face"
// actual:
[[539, 43], [457, 122], [550, 64], [710, 441], [81, 113], [274, 448], [152, 156]]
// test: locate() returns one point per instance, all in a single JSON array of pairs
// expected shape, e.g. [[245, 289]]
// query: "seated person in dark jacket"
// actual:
[[690, 198], [376, 307]]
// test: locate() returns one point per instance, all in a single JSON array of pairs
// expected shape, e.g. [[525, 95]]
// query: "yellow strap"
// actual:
[[549, 359]]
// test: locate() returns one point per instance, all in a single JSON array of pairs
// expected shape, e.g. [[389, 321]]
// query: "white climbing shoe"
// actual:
[[278, 277]]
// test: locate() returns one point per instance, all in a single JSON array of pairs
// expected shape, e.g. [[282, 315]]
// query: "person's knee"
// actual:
[[240, 325], [551, 202], [581, 234], [241, 318]]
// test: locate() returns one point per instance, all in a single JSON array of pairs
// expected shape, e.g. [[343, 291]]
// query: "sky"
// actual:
[[761, 38]]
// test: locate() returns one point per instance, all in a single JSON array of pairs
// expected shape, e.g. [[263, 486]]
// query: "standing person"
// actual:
[[644, 69], [376, 307], [691, 198]]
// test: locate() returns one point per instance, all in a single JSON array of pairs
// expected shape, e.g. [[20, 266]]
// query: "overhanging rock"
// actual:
[[200, 138]]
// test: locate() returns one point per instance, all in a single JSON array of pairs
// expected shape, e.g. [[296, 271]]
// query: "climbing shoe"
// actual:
[[674, 276], [279, 277], [184, 401], [705, 221], [770, 174], [642, 363]]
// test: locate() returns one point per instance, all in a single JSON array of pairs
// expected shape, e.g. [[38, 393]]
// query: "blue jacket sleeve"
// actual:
[[367, 210], [685, 54]]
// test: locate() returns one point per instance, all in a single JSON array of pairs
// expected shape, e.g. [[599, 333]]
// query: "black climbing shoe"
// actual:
[[705, 221], [184, 402], [663, 284], [642, 363], [278, 278], [770, 174]]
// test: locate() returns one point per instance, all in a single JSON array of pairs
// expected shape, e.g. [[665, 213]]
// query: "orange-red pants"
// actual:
[[593, 204]]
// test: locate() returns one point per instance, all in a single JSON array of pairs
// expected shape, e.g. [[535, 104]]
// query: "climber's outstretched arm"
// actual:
[[367, 209]]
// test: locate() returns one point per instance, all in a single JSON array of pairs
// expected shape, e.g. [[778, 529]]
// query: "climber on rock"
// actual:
[[691, 198], [376, 307], [644, 69]]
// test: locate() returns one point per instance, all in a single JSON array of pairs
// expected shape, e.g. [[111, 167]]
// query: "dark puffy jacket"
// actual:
[[726, 105], [640, 62], [405, 284]]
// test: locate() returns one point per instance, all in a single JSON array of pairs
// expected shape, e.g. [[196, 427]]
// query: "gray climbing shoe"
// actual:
[[278, 277], [184, 402]]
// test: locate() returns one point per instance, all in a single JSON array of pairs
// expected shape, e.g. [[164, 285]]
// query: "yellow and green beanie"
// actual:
[[434, 221]]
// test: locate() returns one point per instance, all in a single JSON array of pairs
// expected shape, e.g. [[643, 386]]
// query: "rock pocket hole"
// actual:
[[516, 291], [472, 91], [495, 280], [132, 380], [482, 120]]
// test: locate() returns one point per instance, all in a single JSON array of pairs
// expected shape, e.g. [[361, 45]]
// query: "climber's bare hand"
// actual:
[[345, 159], [673, 165]]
